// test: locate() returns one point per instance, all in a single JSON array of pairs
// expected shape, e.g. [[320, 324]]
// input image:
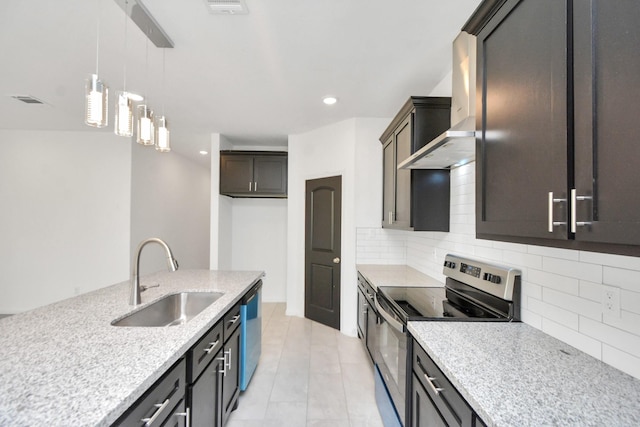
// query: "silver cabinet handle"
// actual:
[[249, 186], [212, 345], [430, 380], [148, 421], [234, 319], [336, 260], [187, 415], [228, 364], [390, 217], [553, 223], [224, 364], [255, 185], [574, 222]]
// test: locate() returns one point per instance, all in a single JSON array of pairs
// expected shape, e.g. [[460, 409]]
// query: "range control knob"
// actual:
[[450, 264], [492, 278]]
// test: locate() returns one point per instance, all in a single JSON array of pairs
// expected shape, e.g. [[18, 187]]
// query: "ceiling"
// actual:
[[254, 78]]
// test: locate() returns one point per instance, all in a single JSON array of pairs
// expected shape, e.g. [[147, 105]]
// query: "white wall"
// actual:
[[562, 289], [259, 242], [170, 199], [248, 234], [64, 222], [331, 151]]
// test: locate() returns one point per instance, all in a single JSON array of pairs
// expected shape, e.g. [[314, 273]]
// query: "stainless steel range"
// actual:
[[473, 291]]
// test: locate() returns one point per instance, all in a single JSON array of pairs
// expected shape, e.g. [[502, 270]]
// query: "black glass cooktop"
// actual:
[[423, 303]]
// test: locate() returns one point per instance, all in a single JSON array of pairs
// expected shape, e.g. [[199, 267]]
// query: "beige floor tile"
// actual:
[[308, 375]]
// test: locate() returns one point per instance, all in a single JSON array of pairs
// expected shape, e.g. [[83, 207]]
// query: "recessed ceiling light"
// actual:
[[204, 153], [329, 100]]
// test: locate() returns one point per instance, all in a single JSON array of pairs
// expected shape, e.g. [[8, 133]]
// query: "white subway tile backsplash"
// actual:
[[621, 278], [591, 291], [565, 284], [630, 301], [622, 340], [619, 359], [572, 337], [568, 268], [621, 261], [553, 252], [572, 303], [561, 288], [559, 315]]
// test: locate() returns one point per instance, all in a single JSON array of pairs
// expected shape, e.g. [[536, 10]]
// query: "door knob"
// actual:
[[336, 260]]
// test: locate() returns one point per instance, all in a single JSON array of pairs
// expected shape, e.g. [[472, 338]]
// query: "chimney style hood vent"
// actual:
[[456, 146]]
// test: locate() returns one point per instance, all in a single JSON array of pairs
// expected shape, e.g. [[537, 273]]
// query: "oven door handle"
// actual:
[[395, 323]]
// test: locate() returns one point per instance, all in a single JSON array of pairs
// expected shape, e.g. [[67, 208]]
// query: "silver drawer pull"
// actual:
[[574, 221], [435, 389], [148, 421], [228, 363], [551, 222], [187, 416], [224, 364], [234, 319], [212, 345]]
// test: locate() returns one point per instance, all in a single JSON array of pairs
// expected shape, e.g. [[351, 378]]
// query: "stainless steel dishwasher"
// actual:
[[250, 334]]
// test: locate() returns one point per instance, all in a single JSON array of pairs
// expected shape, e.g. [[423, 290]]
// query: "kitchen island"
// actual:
[[65, 364], [512, 374]]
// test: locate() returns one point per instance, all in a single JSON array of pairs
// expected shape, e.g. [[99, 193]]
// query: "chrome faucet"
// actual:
[[136, 289]]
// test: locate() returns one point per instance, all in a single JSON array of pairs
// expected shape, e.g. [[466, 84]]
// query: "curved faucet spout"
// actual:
[[172, 264]]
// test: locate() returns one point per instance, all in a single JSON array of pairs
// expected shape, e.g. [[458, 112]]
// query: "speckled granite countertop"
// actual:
[[395, 275], [65, 365], [515, 375]]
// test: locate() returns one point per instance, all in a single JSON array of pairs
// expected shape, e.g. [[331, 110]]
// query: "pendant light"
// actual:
[[144, 117], [96, 92], [124, 105], [162, 135]]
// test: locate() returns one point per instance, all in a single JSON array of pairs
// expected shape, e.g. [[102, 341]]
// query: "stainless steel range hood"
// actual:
[[456, 146]]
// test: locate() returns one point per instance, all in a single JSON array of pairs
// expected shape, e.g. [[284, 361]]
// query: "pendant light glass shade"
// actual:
[[144, 125], [163, 143], [124, 115], [97, 102]]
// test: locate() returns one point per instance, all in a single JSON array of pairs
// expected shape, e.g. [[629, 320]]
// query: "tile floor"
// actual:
[[308, 375]]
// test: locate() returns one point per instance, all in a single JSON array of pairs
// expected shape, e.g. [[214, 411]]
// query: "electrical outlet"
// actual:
[[611, 301]]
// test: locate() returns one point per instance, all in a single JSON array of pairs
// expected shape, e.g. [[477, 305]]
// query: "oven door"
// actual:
[[392, 354]]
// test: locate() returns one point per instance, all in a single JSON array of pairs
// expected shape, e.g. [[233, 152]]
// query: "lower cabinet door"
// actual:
[[424, 412], [205, 395], [231, 378]]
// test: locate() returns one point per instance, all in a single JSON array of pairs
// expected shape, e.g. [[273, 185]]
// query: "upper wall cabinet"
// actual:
[[415, 199], [558, 116], [253, 173]]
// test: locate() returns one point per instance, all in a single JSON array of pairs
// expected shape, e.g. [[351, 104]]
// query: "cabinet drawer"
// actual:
[[231, 321], [156, 405], [204, 351], [450, 403]]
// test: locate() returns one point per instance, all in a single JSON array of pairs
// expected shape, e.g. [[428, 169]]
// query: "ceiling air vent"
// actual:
[[27, 99], [227, 7]]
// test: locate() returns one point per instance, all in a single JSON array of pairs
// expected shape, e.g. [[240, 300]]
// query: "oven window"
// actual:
[[393, 351]]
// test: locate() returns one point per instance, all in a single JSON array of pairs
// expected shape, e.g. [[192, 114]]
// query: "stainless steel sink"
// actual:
[[171, 310]]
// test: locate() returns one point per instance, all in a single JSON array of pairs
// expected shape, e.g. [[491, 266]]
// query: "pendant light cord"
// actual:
[[98, 35], [124, 72], [164, 50]]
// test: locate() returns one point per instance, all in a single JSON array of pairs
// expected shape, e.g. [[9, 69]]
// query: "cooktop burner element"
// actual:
[[473, 291]]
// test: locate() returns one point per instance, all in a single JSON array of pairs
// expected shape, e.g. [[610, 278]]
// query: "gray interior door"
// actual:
[[322, 250]]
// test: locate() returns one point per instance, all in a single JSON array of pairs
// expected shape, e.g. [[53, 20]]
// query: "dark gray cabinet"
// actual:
[[161, 402], [231, 358], [253, 173], [556, 154], [606, 109], [415, 199], [367, 316], [434, 400]]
